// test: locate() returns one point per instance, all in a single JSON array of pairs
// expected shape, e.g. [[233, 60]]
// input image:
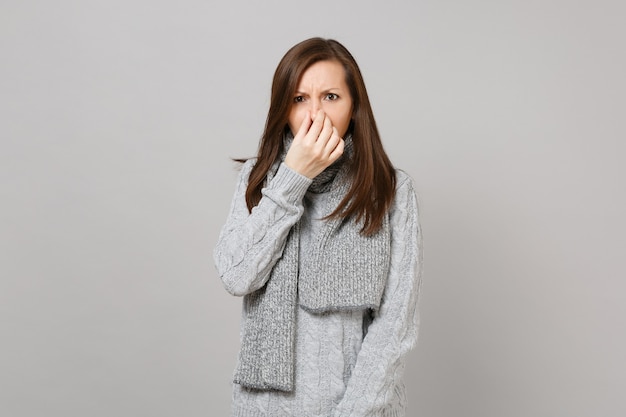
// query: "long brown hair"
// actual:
[[369, 198]]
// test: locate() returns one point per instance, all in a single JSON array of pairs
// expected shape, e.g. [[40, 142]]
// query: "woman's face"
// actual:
[[322, 87]]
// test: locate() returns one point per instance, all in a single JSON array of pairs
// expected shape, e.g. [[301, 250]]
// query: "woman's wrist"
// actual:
[[290, 182]]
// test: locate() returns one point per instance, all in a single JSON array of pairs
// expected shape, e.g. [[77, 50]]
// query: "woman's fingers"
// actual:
[[316, 145], [327, 143], [316, 126], [304, 126], [335, 146], [327, 131]]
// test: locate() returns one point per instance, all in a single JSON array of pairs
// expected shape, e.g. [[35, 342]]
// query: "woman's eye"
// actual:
[[298, 99], [331, 96]]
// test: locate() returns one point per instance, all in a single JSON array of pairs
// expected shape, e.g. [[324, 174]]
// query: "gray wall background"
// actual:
[[118, 119]]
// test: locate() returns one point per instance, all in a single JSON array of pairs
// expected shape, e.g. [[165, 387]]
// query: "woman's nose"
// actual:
[[316, 105]]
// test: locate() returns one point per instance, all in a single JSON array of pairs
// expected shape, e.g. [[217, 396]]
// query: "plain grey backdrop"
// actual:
[[117, 122]]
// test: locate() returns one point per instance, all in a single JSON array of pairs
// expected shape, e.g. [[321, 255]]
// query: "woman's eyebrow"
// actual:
[[327, 90]]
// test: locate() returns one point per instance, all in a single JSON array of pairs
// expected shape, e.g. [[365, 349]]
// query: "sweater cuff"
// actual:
[[291, 184]]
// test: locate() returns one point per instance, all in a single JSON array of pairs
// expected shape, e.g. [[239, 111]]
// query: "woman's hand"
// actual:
[[316, 146]]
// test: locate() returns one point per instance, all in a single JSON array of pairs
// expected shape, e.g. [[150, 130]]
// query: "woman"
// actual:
[[323, 242]]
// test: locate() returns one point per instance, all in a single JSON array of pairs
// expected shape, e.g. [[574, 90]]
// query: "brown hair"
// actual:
[[369, 198]]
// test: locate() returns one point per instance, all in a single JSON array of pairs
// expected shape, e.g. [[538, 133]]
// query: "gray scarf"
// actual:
[[348, 271]]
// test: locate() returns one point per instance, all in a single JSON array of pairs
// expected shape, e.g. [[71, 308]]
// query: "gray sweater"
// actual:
[[347, 363]]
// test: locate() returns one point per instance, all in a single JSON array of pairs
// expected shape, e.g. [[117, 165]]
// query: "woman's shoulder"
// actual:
[[248, 164], [245, 168], [404, 182], [406, 196]]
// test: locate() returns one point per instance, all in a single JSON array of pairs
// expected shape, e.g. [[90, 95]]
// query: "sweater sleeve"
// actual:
[[372, 387], [249, 244]]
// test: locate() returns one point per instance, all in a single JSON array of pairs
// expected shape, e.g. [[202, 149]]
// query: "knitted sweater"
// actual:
[[347, 363]]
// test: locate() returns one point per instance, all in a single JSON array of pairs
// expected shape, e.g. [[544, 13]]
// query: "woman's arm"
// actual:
[[250, 243], [380, 362]]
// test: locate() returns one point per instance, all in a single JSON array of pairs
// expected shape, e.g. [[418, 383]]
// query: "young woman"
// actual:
[[323, 242]]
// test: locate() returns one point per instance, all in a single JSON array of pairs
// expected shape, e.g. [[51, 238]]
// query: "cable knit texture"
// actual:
[[347, 363], [342, 270]]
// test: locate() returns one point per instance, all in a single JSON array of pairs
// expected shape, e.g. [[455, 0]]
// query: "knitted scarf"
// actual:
[[347, 271]]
